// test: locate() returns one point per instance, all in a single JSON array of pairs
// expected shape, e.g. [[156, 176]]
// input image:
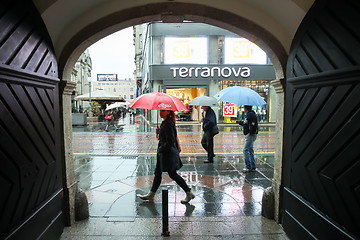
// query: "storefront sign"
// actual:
[[206, 72], [203, 73], [229, 110], [107, 77]]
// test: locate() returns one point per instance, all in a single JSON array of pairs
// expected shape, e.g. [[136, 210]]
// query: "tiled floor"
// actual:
[[227, 203]]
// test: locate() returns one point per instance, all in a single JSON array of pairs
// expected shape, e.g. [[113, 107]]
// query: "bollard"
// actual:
[[165, 211]]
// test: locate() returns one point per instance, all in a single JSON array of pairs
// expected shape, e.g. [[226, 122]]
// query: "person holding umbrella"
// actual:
[[207, 141], [250, 130], [209, 124], [110, 120], [168, 159]]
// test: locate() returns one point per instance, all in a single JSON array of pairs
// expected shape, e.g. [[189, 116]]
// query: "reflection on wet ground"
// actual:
[[131, 139], [221, 189], [113, 167]]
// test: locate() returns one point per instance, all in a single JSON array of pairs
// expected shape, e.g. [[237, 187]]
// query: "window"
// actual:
[[114, 89], [131, 96]]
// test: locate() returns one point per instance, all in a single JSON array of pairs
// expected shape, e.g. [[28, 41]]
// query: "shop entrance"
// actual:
[[186, 95]]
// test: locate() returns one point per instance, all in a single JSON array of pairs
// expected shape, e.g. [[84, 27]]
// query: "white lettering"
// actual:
[[205, 73], [183, 72], [190, 71], [223, 72], [214, 70], [163, 105], [236, 74], [197, 71], [174, 71], [246, 72]]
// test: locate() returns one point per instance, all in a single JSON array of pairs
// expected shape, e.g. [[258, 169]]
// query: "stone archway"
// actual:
[[170, 12]]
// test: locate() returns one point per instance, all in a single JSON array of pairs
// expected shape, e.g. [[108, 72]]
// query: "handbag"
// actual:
[[170, 160], [108, 117], [215, 130]]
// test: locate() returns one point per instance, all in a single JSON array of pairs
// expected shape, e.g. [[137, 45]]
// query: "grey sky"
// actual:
[[114, 54]]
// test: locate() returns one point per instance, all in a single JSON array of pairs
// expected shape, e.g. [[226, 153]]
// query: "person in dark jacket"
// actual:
[[250, 130], [207, 141], [168, 159]]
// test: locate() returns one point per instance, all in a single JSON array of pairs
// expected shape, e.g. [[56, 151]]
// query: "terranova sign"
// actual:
[[208, 72]]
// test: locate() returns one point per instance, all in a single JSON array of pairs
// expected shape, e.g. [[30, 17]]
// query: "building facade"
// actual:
[[81, 74], [125, 88], [189, 59]]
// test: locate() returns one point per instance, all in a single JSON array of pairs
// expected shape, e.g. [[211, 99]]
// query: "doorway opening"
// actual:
[[186, 95]]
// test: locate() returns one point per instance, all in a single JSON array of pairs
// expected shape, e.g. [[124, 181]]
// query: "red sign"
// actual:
[[229, 110]]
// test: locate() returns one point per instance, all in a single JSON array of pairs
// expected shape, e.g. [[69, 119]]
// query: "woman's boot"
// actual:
[[189, 196], [150, 196]]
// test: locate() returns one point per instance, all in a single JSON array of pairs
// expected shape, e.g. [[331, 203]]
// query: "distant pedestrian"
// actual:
[[110, 120], [250, 130], [167, 158], [209, 124], [132, 112]]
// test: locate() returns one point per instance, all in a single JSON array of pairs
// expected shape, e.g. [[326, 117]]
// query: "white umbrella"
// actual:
[[99, 95], [204, 101], [116, 105]]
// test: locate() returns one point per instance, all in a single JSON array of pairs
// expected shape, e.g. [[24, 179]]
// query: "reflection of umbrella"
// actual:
[[158, 101], [98, 95], [204, 101], [240, 96], [116, 105]]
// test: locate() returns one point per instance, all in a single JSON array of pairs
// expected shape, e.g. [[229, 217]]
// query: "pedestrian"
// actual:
[[207, 141], [250, 130], [110, 120], [167, 157]]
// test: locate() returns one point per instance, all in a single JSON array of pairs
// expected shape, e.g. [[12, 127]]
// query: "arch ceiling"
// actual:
[[77, 24]]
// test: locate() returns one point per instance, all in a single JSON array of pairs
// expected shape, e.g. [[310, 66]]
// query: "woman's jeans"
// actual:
[[248, 151]]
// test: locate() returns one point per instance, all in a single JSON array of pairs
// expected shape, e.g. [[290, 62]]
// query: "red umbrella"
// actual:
[[158, 101]]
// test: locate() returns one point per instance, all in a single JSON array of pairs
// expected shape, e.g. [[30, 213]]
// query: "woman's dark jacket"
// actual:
[[167, 153]]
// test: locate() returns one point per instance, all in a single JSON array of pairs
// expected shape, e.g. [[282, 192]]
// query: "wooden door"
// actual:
[[322, 131], [30, 146]]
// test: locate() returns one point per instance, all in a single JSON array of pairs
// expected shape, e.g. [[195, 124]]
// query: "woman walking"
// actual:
[[168, 159]]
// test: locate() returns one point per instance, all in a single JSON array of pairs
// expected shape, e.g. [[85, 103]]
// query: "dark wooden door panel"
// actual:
[[30, 144], [322, 132]]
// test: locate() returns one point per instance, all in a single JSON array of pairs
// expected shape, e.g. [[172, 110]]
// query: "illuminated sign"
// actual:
[[206, 72], [241, 50], [185, 50], [107, 77]]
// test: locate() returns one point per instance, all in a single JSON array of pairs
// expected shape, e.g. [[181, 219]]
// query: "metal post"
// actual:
[[165, 211], [90, 109]]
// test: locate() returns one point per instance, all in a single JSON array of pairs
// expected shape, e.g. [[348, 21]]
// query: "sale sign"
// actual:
[[229, 110]]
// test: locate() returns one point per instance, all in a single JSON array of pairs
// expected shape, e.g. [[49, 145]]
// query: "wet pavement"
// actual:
[[113, 167]]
